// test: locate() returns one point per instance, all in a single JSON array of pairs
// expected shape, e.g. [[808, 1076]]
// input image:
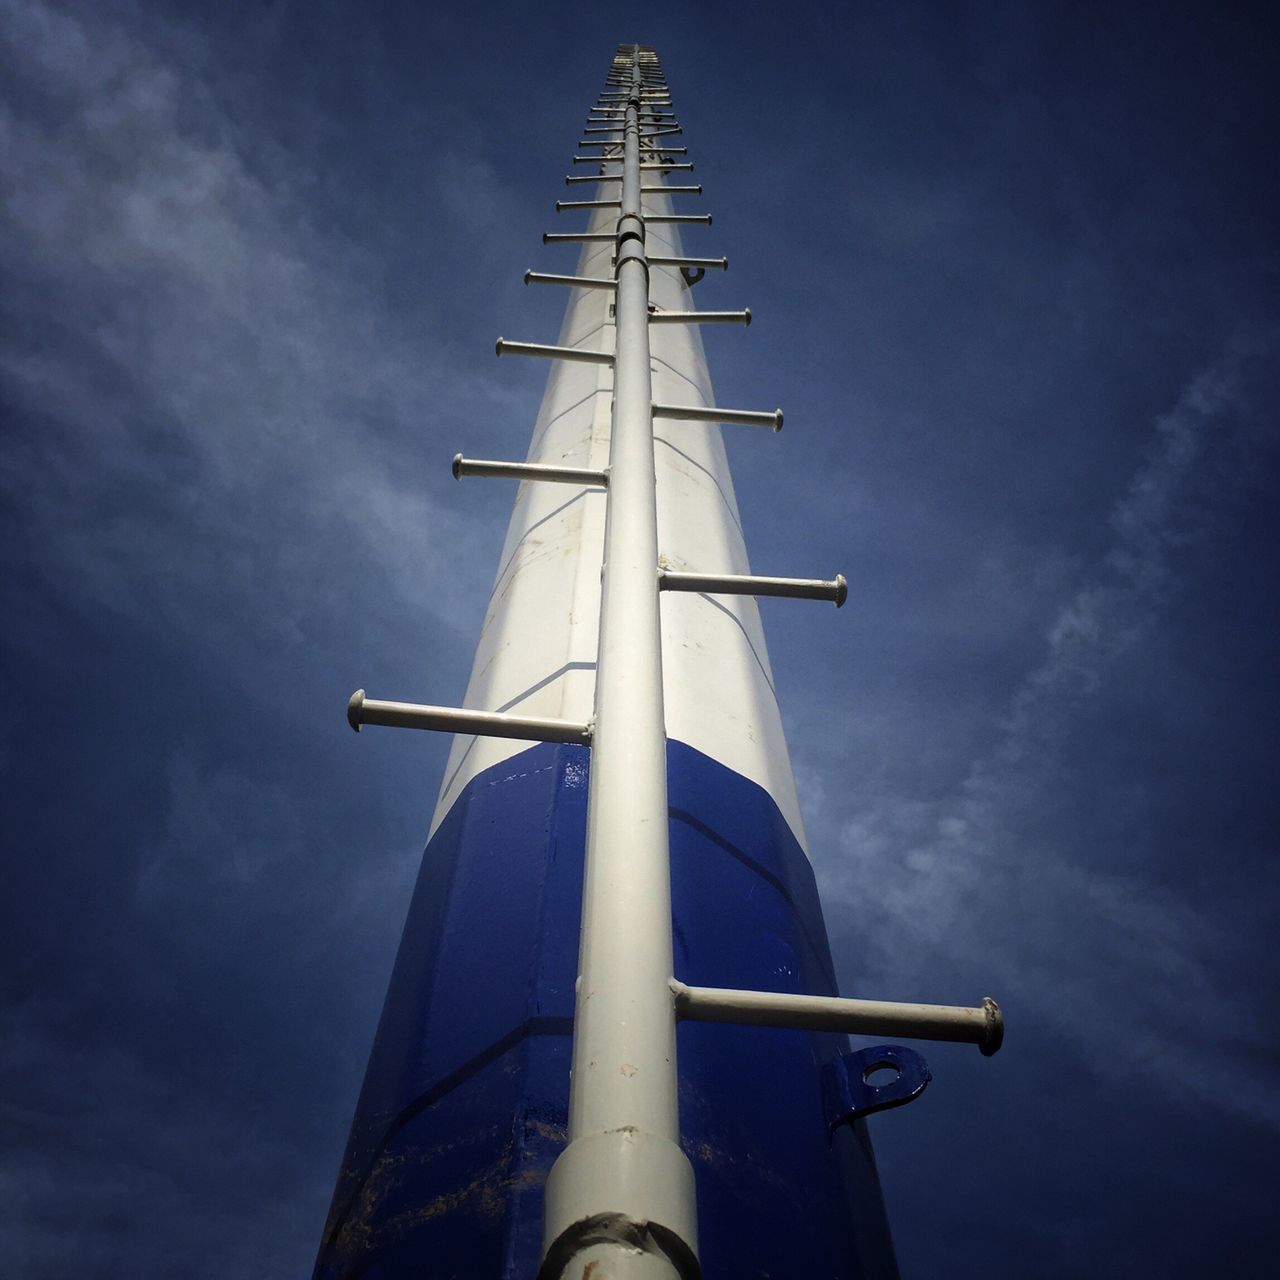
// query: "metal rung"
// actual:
[[602, 142], [598, 160], [577, 282], [667, 151], [571, 178], [983, 1026], [739, 584], [528, 471], [505, 348], [660, 133], [561, 237], [665, 168], [742, 317], [562, 205], [718, 264], [671, 191], [702, 413], [482, 724], [703, 218]]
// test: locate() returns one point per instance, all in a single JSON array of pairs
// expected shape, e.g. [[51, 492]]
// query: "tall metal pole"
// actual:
[[622, 1192], [459, 1115]]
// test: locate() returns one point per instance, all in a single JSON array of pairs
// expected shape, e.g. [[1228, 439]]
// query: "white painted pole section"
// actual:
[[622, 1193]]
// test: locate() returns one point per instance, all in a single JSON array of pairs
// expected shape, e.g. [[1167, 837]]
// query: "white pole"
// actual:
[[622, 1194]]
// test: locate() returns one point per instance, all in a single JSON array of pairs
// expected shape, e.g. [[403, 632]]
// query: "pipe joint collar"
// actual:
[[630, 237], [631, 1190]]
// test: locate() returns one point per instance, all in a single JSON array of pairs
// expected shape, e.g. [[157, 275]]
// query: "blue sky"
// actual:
[[1013, 270]]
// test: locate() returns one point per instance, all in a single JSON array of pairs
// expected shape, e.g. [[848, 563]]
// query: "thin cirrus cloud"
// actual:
[[992, 878], [213, 373]]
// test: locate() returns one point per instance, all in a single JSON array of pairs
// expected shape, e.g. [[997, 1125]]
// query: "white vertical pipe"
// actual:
[[622, 1185]]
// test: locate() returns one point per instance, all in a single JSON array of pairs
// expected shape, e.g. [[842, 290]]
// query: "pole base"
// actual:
[[624, 1198]]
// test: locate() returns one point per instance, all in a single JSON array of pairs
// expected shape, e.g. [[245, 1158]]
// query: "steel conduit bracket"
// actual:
[[847, 1091]]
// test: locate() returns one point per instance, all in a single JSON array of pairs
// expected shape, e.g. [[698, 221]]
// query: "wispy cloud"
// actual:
[[222, 404], [994, 881]]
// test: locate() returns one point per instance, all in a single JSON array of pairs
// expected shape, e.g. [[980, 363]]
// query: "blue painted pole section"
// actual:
[[464, 1106]]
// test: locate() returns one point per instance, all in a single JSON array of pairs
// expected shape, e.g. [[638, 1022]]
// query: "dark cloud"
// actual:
[[1013, 278]]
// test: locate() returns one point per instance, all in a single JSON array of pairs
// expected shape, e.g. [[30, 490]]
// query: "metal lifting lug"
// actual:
[[848, 1091]]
